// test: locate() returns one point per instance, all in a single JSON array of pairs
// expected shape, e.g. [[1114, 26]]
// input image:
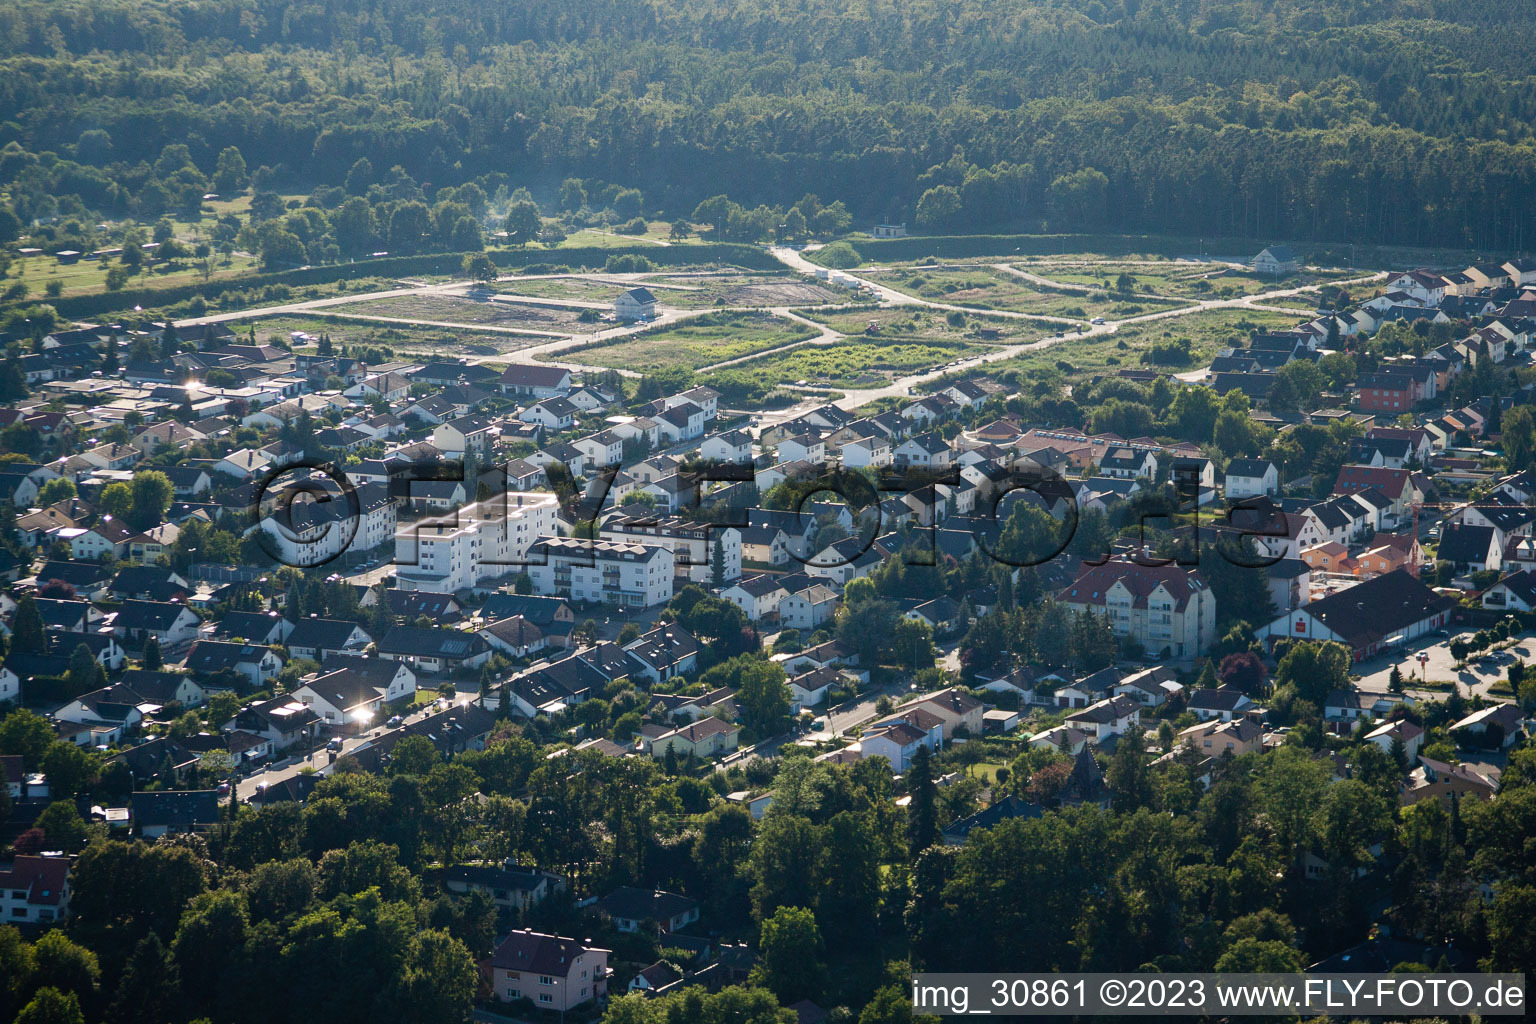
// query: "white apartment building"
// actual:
[[603, 571], [482, 541], [305, 531], [692, 544], [1165, 607]]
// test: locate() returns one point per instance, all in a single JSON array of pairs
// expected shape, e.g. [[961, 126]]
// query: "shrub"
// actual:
[[839, 256]]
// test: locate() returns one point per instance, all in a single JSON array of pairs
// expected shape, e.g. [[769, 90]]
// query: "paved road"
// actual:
[[320, 758], [544, 351], [853, 398]]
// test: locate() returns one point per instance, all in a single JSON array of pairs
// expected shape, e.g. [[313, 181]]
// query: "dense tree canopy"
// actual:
[[1299, 119]]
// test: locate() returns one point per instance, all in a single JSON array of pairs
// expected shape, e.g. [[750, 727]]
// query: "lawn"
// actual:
[[986, 771], [852, 363], [1207, 331], [983, 287], [905, 323], [699, 341]]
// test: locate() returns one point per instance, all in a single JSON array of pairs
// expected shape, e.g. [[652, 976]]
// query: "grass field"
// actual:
[[986, 288], [606, 238], [907, 324], [1207, 331], [701, 341], [1173, 278], [852, 363], [90, 276]]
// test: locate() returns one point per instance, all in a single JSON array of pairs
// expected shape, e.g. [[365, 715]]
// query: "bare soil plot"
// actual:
[[400, 340], [459, 310], [740, 290]]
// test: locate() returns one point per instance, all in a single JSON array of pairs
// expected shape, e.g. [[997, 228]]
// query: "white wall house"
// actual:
[[603, 572]]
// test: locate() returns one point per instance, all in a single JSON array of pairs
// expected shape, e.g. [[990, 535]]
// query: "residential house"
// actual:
[[635, 304], [254, 663], [157, 813], [509, 887], [705, 739], [1450, 783], [1107, 718], [1222, 704], [434, 651], [1216, 738], [634, 910], [551, 972], [1409, 735], [1497, 726], [35, 890], [173, 625], [316, 639], [1249, 478]]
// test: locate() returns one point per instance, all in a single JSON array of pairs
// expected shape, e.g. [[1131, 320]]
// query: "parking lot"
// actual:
[[1477, 676]]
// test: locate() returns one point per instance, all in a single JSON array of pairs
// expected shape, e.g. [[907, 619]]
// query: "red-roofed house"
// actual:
[[1403, 487], [1164, 607], [34, 889]]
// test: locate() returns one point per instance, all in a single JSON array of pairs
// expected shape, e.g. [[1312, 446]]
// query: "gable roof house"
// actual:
[[1471, 548], [317, 638], [189, 810], [1221, 704], [434, 651], [252, 662], [345, 700], [35, 890], [534, 381], [1107, 718], [630, 909], [1365, 616], [173, 625], [1165, 607], [283, 721], [552, 972]]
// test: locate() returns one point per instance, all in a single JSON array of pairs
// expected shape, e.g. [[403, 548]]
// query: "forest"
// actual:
[[1373, 122]]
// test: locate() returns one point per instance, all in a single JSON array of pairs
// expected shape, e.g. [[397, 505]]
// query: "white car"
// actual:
[[1097, 321]]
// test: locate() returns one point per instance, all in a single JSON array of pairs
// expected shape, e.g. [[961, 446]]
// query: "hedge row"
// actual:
[[916, 247]]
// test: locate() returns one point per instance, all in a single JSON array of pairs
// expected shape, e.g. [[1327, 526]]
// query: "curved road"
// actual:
[[553, 343]]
